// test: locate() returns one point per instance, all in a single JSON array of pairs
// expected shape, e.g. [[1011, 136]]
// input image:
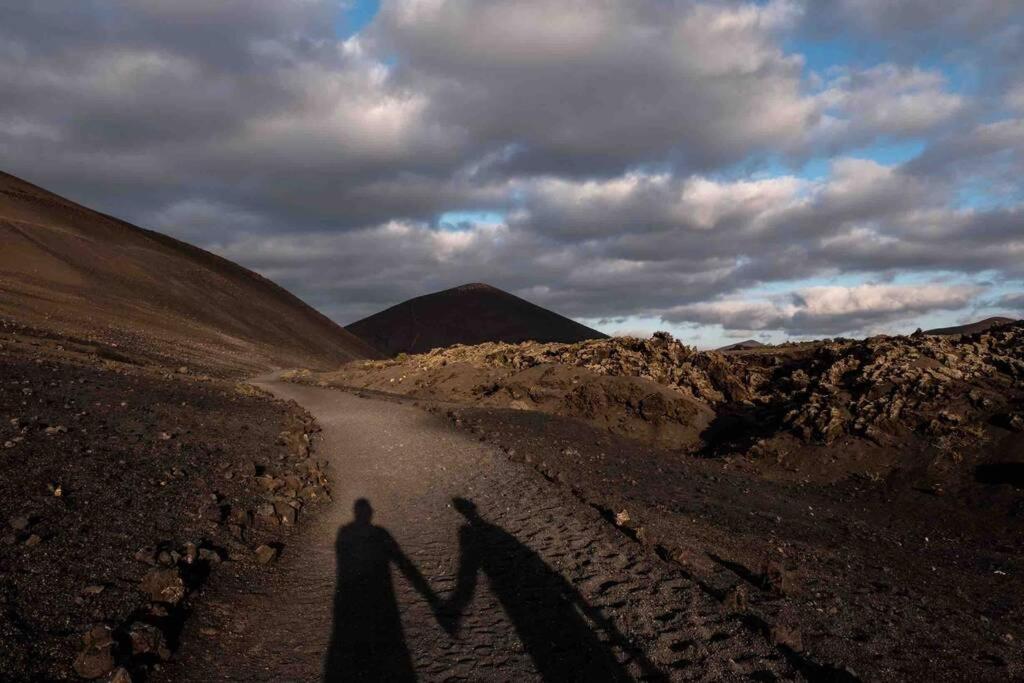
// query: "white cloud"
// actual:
[[885, 100], [623, 141], [829, 309]]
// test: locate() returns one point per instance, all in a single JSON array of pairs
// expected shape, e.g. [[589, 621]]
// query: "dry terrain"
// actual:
[[864, 496], [75, 272], [123, 488]]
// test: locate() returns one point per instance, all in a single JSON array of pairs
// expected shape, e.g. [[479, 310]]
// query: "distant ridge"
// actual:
[[470, 314], [970, 328], [745, 345], [75, 271]]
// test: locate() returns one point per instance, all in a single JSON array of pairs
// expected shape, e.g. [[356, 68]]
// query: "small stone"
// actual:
[[148, 640], [736, 599], [164, 436], [33, 540], [57, 429], [93, 590], [190, 552], [97, 658], [146, 555], [168, 558], [164, 584], [119, 675], [285, 512], [209, 555], [240, 516], [774, 576], [20, 523], [622, 518], [788, 636], [269, 483], [9, 444], [98, 636], [266, 554]]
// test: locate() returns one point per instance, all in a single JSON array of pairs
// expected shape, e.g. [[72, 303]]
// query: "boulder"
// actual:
[[266, 554]]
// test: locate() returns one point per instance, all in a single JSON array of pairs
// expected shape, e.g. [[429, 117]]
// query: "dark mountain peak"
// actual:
[[473, 313], [475, 286]]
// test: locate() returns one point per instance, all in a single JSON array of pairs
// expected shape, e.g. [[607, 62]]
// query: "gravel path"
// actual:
[[471, 567]]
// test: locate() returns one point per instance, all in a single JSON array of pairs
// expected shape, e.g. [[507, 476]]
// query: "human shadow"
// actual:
[[548, 613], [367, 641]]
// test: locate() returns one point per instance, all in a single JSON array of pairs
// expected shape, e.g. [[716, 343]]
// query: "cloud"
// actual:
[[582, 88], [914, 20], [829, 310], [643, 156], [1013, 302], [885, 100]]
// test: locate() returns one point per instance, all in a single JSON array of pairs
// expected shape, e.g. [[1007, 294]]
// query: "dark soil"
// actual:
[[107, 470], [879, 580]]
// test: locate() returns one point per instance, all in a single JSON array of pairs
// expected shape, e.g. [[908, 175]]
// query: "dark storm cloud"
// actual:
[[1013, 303], [607, 133]]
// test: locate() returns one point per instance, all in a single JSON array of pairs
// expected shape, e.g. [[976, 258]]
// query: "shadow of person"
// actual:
[[367, 642], [549, 615]]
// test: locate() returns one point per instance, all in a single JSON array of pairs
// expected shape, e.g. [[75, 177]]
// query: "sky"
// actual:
[[719, 169]]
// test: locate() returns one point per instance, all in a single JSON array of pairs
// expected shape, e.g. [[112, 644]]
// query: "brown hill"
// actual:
[[72, 271], [971, 328], [470, 314]]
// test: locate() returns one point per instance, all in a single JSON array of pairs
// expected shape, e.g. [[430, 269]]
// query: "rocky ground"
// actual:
[[494, 573], [865, 497], [124, 487], [952, 401]]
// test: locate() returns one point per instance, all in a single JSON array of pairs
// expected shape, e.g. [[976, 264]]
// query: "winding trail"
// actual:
[[538, 585]]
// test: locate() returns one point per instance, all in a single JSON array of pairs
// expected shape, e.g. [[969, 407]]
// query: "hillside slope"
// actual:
[[970, 328], [73, 271], [470, 314]]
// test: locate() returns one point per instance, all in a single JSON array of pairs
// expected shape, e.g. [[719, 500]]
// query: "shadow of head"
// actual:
[[466, 508], [362, 511]]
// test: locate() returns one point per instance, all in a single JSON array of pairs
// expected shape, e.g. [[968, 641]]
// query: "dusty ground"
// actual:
[[536, 586], [880, 578], [865, 496], [122, 488]]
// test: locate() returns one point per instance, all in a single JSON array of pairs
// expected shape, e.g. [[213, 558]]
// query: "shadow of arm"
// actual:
[[465, 583], [413, 575]]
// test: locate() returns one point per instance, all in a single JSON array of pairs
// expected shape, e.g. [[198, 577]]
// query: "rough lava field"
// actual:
[[866, 495]]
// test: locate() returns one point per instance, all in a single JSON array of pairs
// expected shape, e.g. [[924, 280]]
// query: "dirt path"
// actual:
[[521, 581]]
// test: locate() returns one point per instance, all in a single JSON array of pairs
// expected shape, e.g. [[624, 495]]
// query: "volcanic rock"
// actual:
[[164, 584], [97, 657]]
